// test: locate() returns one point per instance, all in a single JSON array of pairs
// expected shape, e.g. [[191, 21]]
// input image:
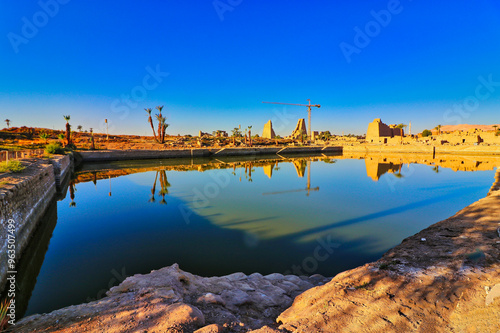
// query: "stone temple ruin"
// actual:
[[299, 129], [378, 132], [268, 132]]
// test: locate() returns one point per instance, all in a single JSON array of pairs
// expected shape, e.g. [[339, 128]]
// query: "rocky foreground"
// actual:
[[171, 300], [444, 279]]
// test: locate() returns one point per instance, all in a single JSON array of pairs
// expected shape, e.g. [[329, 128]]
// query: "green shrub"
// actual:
[[71, 146], [54, 148], [426, 133], [13, 166]]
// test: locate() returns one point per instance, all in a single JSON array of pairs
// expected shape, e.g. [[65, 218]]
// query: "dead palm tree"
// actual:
[[68, 129], [7, 121], [150, 120], [250, 135]]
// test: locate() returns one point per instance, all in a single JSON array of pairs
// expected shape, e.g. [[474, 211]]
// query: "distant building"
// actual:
[[378, 132], [220, 134]]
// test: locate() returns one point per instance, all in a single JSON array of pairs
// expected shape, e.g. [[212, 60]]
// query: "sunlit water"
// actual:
[[230, 220]]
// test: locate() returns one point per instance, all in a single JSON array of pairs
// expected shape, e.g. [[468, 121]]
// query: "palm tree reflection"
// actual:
[[153, 189], [164, 186], [72, 190]]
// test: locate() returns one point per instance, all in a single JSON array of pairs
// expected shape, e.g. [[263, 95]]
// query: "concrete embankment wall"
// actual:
[[25, 199], [136, 154], [424, 149]]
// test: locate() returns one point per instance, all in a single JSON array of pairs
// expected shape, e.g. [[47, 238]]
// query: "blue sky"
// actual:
[[422, 61]]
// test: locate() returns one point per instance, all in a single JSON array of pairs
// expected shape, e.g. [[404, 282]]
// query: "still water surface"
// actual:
[[300, 216]]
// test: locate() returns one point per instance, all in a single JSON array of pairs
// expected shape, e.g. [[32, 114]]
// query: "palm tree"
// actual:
[[164, 126], [68, 129], [236, 133], [92, 143], [8, 122], [438, 128], [79, 128], [494, 127], [402, 127], [250, 135], [158, 117], [150, 120], [44, 136]]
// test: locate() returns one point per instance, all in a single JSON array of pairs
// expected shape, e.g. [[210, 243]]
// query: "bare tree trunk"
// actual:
[[152, 127], [68, 133], [159, 128]]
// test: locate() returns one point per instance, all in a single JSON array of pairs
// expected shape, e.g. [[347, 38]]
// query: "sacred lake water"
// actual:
[[298, 215]]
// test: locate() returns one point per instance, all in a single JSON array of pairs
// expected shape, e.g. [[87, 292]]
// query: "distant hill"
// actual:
[[466, 127]]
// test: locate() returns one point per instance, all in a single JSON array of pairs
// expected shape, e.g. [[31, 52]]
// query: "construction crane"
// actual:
[[308, 188], [309, 106]]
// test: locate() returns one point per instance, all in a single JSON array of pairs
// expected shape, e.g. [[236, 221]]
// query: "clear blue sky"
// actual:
[[225, 57]]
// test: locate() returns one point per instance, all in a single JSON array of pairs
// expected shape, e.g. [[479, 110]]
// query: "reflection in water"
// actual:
[[72, 190], [153, 189], [300, 166], [164, 186], [221, 208], [233, 227], [376, 167], [32, 260]]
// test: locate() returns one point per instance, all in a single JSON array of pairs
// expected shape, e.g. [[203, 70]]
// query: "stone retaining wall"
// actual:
[[24, 199], [425, 149], [136, 154]]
